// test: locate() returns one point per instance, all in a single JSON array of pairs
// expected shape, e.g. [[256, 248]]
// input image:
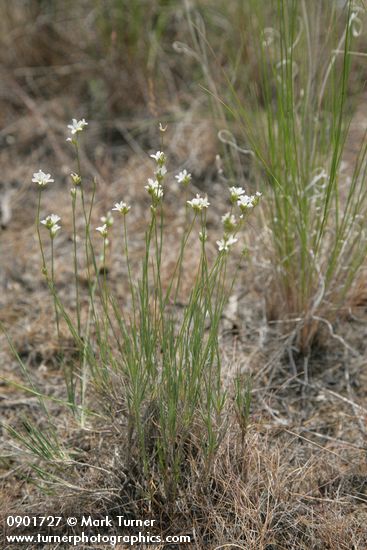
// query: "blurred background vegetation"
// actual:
[[135, 60], [124, 64]]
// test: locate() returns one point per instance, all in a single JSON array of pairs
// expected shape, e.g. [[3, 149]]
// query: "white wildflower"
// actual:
[[159, 157], [107, 220], [121, 207], [198, 203], [154, 189], [51, 220], [51, 223], [248, 201], [54, 229], [160, 172], [225, 243], [236, 193], [183, 177], [41, 178], [103, 230], [229, 222], [77, 126]]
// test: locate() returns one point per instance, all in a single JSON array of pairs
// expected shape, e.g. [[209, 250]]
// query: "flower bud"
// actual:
[[76, 178]]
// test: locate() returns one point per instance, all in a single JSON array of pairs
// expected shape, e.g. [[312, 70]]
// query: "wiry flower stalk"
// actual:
[[75, 252], [51, 223], [44, 269], [126, 247], [54, 287]]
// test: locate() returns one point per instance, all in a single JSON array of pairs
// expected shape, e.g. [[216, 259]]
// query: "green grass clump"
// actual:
[[161, 363], [294, 113]]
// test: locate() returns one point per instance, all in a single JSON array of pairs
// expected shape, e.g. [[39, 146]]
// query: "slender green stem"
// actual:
[[132, 288], [75, 251], [53, 284], [178, 266], [105, 288], [44, 269]]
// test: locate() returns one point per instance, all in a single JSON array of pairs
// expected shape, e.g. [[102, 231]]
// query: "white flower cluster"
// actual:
[[248, 201], [154, 186], [51, 222], [244, 202], [225, 243], [107, 222], [198, 203], [230, 225], [155, 190], [236, 193]]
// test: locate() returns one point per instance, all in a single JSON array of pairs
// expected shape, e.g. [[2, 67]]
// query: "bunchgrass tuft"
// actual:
[[160, 362], [295, 120]]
